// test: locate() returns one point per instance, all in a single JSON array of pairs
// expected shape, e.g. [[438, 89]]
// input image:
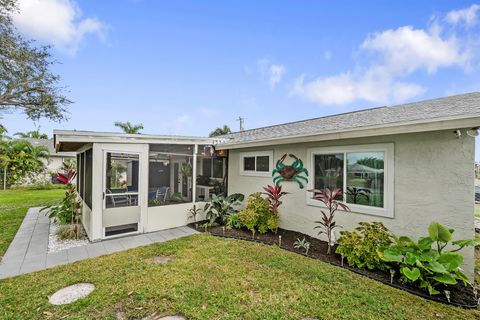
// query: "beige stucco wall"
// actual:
[[433, 181]]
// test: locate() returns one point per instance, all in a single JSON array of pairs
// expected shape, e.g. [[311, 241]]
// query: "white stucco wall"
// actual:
[[433, 181]]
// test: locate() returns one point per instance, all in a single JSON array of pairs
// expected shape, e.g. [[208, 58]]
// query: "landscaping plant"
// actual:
[[327, 224], [274, 193], [257, 216], [219, 208], [194, 211], [302, 244], [68, 211], [360, 247], [426, 267]]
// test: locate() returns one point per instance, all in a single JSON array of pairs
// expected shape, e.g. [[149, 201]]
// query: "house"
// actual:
[[406, 166]]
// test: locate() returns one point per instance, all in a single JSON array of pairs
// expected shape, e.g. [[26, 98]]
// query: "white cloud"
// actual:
[[57, 22], [276, 74], [468, 16], [273, 72], [391, 56]]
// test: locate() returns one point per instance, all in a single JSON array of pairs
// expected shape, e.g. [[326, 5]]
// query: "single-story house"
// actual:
[[414, 161]]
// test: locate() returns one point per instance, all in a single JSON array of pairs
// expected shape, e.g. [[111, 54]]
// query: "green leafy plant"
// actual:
[[360, 247], [257, 216], [219, 208], [302, 244], [327, 224], [68, 211], [194, 211], [155, 202], [426, 267], [66, 233]]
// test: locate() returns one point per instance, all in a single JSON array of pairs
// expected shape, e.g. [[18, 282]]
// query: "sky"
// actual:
[[186, 67]]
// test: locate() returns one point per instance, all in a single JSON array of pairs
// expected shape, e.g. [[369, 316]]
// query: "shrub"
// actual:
[[257, 216], [38, 186], [360, 247], [425, 267], [302, 245], [66, 233], [327, 224], [219, 208]]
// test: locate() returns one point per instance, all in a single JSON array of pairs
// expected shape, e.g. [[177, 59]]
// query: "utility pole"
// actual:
[[241, 120]]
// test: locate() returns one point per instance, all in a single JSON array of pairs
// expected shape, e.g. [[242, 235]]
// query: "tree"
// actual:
[[35, 134], [21, 158], [220, 131], [26, 83], [127, 127]]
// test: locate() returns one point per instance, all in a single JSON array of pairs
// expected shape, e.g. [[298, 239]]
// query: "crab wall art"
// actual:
[[293, 172]]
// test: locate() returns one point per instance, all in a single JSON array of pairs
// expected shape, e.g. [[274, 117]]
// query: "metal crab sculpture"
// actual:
[[290, 172]]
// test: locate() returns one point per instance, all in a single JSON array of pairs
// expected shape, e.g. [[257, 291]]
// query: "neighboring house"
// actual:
[[56, 159], [413, 162]]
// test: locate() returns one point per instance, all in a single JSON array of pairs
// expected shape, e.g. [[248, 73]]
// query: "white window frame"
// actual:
[[388, 196], [256, 154]]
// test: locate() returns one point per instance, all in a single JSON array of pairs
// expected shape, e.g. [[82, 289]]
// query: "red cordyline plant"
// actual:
[[274, 193], [327, 224], [66, 175]]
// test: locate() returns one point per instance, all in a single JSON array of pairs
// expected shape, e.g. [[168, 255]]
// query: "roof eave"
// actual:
[[390, 129]]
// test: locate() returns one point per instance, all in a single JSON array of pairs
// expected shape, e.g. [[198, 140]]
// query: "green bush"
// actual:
[[427, 268], [257, 216], [66, 233], [39, 186], [360, 247], [219, 208]]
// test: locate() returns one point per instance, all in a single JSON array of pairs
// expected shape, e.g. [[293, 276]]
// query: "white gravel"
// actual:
[[55, 244], [71, 294]]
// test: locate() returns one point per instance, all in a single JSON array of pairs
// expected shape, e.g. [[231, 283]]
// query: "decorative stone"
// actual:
[[161, 259], [71, 293]]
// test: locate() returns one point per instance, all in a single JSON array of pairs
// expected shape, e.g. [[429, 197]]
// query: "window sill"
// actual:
[[358, 209], [255, 174]]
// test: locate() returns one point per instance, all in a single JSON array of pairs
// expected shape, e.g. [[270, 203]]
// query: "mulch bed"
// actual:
[[460, 295]]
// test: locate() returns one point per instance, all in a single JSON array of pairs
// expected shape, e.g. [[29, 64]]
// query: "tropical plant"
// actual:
[[219, 207], [274, 193], [155, 202], [68, 210], [127, 127], [66, 232], [327, 224], [220, 131], [355, 193], [426, 267], [26, 83], [302, 244], [194, 211], [35, 134], [21, 158], [360, 247], [257, 216]]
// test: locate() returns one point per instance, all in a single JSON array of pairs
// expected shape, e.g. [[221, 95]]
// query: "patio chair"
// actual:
[[118, 201], [162, 193]]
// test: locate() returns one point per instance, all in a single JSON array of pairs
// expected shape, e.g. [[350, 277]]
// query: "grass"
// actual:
[[13, 207], [215, 278]]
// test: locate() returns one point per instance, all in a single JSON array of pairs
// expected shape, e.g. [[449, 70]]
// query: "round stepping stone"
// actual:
[[161, 260], [71, 293]]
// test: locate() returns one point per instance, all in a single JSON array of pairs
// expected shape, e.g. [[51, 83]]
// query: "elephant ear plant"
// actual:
[[327, 224], [219, 208], [429, 268]]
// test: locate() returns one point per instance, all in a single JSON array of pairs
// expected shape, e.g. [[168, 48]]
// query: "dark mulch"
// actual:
[[460, 295]]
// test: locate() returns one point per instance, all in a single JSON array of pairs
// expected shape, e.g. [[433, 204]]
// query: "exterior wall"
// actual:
[[87, 219], [170, 216], [433, 181]]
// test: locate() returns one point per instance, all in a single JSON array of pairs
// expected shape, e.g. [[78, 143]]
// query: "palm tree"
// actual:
[[220, 131], [35, 134], [127, 127]]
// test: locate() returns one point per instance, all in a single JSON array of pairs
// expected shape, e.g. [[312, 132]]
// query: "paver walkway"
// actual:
[[28, 250]]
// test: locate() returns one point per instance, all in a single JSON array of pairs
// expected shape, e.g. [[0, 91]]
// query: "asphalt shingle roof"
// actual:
[[464, 105]]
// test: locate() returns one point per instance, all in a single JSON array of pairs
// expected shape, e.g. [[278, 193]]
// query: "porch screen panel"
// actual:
[[121, 188], [88, 178], [212, 178], [80, 175], [170, 174]]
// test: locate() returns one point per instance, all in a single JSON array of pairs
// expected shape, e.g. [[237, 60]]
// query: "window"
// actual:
[[88, 177], [257, 163], [364, 173]]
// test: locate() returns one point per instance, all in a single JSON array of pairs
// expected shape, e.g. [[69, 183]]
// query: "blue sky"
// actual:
[[185, 67]]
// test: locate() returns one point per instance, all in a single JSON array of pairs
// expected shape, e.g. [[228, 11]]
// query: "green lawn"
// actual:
[[214, 278], [13, 206]]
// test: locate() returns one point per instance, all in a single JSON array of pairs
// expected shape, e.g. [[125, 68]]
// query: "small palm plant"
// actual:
[[327, 224], [194, 211], [302, 245]]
